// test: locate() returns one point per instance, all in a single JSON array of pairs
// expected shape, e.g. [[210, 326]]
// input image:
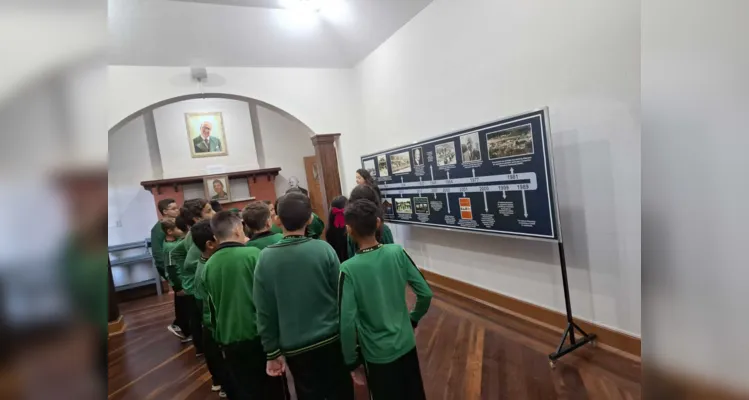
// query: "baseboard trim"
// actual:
[[116, 327], [607, 338]]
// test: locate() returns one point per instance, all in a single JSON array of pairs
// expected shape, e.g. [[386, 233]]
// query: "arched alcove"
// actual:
[[152, 143]]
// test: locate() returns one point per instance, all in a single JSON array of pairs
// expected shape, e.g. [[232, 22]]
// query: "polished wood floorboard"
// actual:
[[467, 350]]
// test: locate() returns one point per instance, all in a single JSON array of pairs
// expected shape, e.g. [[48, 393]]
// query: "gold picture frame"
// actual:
[[216, 184], [214, 145]]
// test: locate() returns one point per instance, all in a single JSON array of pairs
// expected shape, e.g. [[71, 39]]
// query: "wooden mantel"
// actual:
[[269, 173]]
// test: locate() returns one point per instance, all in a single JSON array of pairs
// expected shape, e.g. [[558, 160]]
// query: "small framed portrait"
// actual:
[[217, 188], [417, 156], [205, 132]]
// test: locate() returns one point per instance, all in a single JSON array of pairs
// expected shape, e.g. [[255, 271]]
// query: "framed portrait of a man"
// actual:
[[217, 188], [205, 132]]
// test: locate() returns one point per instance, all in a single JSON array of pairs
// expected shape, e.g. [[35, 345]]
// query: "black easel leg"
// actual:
[[569, 331]]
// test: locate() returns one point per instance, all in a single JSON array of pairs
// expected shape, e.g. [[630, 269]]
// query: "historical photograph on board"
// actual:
[[403, 206], [387, 206], [400, 163], [445, 153], [369, 165], [511, 142], [382, 165], [417, 156], [421, 205], [469, 147]]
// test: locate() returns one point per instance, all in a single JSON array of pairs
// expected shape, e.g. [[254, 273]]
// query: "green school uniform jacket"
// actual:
[[229, 277], [316, 228], [276, 229], [264, 239], [170, 263], [157, 246], [201, 293], [372, 291], [387, 238], [295, 294], [189, 268], [179, 254]]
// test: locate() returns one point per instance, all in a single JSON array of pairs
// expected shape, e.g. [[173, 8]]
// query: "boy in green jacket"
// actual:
[[173, 235], [192, 211], [316, 226], [168, 210], [297, 312], [229, 277], [202, 235], [275, 228], [372, 298], [383, 234], [256, 216]]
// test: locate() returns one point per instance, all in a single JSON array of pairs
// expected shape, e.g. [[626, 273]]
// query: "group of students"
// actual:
[[256, 292]]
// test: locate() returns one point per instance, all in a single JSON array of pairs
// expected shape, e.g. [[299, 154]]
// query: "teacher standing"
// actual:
[[363, 177]]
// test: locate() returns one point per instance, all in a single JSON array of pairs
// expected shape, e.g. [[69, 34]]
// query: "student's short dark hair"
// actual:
[[202, 233], [365, 192], [215, 205], [255, 215], [267, 202], [181, 223], [167, 224], [361, 215], [223, 224], [192, 209], [163, 204], [294, 209]]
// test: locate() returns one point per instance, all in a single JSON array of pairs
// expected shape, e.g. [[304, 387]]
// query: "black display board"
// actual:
[[496, 178]]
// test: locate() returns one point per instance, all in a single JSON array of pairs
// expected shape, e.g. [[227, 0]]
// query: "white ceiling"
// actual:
[[251, 33]]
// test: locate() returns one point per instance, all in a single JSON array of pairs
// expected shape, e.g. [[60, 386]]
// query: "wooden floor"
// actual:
[[467, 351]]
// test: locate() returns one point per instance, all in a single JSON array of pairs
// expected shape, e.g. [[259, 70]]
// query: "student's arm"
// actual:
[[421, 289], [171, 271], [347, 310], [267, 312]]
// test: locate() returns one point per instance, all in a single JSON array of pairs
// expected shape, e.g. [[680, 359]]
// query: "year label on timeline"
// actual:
[[504, 187], [474, 180], [449, 181], [512, 176], [484, 188], [524, 186]]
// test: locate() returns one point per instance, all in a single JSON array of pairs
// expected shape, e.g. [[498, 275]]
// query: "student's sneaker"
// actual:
[[176, 331], [216, 388], [186, 339], [222, 394]]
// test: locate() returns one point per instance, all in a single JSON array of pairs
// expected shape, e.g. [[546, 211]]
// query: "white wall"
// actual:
[[174, 143], [454, 66], [285, 143], [131, 208], [695, 91]]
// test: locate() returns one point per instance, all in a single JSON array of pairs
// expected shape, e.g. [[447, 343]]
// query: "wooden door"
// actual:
[[313, 185]]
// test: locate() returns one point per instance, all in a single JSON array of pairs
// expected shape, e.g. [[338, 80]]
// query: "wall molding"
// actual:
[[116, 327], [619, 342]]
